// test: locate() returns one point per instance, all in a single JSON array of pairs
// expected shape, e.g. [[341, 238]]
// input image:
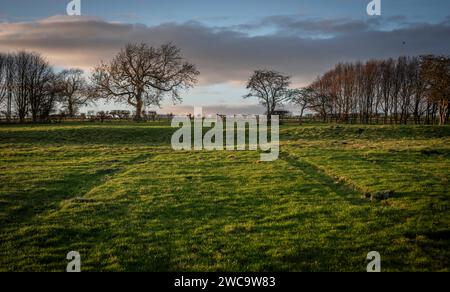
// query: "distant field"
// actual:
[[120, 196]]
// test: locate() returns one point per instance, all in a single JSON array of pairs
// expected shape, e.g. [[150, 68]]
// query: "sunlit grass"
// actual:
[[120, 196]]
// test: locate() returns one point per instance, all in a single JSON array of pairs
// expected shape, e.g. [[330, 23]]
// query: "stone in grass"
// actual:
[[380, 196]]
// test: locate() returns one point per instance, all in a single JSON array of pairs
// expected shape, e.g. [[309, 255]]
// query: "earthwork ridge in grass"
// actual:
[[75, 193], [311, 172]]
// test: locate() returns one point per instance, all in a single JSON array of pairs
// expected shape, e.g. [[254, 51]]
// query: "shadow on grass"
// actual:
[[73, 185], [365, 132], [88, 135], [348, 192]]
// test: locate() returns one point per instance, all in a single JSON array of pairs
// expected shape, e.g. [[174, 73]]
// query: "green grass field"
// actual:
[[120, 196]]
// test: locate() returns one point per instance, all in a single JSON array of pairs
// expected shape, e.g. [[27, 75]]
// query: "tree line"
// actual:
[[139, 74], [393, 91], [382, 91], [387, 91], [30, 87]]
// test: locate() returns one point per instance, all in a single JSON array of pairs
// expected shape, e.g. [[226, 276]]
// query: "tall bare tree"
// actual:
[[321, 99], [74, 91], [142, 75], [387, 68], [9, 85], [301, 97], [348, 84], [3, 80], [270, 87], [419, 102], [435, 71], [21, 69], [39, 78], [54, 90], [6, 83]]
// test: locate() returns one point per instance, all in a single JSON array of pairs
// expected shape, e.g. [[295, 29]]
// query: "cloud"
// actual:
[[228, 55], [312, 28]]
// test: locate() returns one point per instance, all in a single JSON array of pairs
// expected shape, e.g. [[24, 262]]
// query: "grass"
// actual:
[[120, 196]]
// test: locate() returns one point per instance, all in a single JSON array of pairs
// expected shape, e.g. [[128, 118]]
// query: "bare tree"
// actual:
[[321, 101], [435, 72], [39, 78], [386, 87], [3, 80], [270, 87], [348, 84], [9, 85], [6, 82], [54, 89], [302, 98], [22, 61], [142, 75], [369, 90], [419, 102], [74, 91]]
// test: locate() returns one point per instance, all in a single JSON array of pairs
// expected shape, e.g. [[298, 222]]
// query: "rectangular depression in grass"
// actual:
[[122, 198]]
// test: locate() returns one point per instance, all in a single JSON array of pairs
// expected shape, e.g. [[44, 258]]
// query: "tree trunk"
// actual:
[[9, 106], [138, 116], [22, 117], [442, 118], [301, 116], [447, 117], [442, 113], [71, 110]]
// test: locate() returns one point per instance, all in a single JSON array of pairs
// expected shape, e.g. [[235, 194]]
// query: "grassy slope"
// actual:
[[125, 201]]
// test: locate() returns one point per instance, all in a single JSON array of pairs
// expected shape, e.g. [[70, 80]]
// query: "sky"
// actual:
[[228, 40]]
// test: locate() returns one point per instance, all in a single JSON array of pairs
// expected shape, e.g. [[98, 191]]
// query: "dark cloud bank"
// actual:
[[225, 55], [299, 47]]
